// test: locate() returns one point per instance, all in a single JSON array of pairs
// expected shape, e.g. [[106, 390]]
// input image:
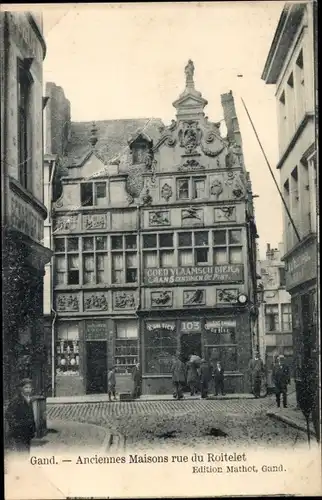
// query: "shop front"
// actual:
[[216, 337]]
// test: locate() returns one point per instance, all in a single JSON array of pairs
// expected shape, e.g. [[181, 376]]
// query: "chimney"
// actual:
[[268, 251], [231, 120]]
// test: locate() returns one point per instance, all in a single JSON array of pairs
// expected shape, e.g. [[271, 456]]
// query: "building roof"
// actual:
[[112, 138]]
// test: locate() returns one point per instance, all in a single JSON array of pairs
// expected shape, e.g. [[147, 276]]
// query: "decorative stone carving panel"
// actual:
[[192, 216], [94, 221], [189, 136], [166, 192], [124, 300], [96, 301], [227, 296], [159, 218], [66, 223], [191, 165], [194, 297], [162, 299], [67, 302], [225, 214]]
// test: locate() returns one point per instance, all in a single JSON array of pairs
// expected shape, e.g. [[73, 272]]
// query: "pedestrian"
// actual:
[[281, 378], [136, 377], [192, 377], [20, 418], [205, 377], [111, 382], [178, 377], [256, 368], [219, 378]]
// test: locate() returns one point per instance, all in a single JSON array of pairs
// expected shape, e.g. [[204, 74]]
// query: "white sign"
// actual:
[[160, 326], [220, 324]]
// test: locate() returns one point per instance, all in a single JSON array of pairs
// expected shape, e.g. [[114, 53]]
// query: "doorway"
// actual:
[[96, 367], [190, 343]]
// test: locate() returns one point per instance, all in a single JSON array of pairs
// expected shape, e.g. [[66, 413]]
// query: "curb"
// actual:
[[289, 421]]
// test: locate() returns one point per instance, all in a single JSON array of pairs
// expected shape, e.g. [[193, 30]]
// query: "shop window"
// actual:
[[271, 318], [221, 345], [67, 349], [160, 346], [158, 250], [126, 346], [286, 318], [193, 248], [24, 125], [93, 193], [227, 247], [124, 259]]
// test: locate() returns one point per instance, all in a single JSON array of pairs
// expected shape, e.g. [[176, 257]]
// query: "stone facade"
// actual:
[[154, 240]]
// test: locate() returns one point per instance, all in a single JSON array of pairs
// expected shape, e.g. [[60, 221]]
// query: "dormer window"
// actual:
[[140, 148]]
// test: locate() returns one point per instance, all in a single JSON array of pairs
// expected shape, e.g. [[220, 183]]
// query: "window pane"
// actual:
[[117, 276], [219, 238], [201, 238], [199, 188], [167, 258], [150, 259], [101, 243], [131, 260], [131, 275], [100, 188], [88, 244], [183, 189], [117, 262], [235, 236], [185, 239], [235, 256], [117, 242], [166, 240], [130, 241], [161, 346], [149, 241], [60, 263], [88, 263], [201, 255], [220, 256], [86, 194], [101, 265], [73, 262], [59, 244], [73, 277], [72, 244], [185, 258], [282, 276]]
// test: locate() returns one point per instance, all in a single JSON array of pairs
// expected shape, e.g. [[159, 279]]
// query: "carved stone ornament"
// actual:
[[124, 300], [147, 198], [189, 136], [224, 214], [216, 188], [159, 218], [166, 192], [228, 295], [194, 297], [135, 181], [161, 299], [148, 159], [96, 302], [67, 303], [238, 190], [66, 223], [94, 221], [234, 155], [192, 213], [230, 178], [191, 165]]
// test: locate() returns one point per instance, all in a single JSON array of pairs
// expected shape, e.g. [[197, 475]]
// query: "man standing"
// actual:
[[136, 376], [256, 368], [205, 377], [281, 377], [219, 379], [192, 377], [178, 377], [111, 382], [20, 418]]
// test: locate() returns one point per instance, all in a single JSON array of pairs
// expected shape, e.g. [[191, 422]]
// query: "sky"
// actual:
[[127, 61]]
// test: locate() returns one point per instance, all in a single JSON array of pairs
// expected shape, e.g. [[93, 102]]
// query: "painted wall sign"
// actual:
[[160, 326], [25, 218], [95, 330], [228, 273], [190, 326], [302, 266], [220, 324]]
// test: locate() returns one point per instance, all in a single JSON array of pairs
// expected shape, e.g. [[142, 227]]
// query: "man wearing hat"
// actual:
[[281, 377], [20, 418]]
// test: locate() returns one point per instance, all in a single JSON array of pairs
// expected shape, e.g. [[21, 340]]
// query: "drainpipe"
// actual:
[[53, 368], [51, 267]]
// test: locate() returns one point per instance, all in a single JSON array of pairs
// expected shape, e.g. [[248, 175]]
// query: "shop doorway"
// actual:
[[190, 343], [96, 367]]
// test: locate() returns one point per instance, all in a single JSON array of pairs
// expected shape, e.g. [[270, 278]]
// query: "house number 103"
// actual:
[[190, 326]]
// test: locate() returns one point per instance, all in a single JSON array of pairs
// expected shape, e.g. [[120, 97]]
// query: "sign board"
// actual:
[[301, 266], [191, 274], [96, 330], [160, 325], [188, 326], [222, 326]]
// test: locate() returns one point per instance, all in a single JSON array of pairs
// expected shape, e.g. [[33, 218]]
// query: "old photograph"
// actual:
[[160, 250]]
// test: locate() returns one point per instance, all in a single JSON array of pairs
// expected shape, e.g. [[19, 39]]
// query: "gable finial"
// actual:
[[93, 137], [189, 71]]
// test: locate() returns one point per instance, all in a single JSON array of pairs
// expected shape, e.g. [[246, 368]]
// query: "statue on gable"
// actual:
[[189, 71]]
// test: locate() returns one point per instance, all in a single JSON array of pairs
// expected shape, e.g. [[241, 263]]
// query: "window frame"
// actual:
[[228, 245], [24, 137], [94, 195], [158, 249], [122, 344], [275, 315], [194, 248], [192, 180], [288, 313], [124, 252]]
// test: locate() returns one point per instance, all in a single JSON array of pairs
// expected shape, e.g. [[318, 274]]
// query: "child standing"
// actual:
[[111, 381]]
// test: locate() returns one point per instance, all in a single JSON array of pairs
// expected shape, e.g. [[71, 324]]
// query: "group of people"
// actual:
[[197, 376], [136, 380]]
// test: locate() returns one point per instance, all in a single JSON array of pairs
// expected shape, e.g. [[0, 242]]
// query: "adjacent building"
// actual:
[[154, 249], [23, 252], [275, 314], [290, 66]]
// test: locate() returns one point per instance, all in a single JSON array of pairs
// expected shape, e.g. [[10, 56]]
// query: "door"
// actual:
[[190, 343], [96, 367]]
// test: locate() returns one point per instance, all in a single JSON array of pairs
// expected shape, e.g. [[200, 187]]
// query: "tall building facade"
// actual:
[[275, 314], [290, 66], [23, 212], [154, 249]]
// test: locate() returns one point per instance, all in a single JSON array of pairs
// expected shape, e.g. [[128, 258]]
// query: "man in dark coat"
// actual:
[[192, 377], [281, 377], [20, 418], [256, 368], [136, 377], [219, 379], [205, 377], [178, 377]]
